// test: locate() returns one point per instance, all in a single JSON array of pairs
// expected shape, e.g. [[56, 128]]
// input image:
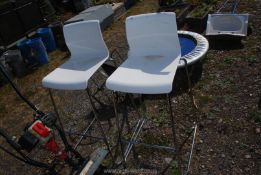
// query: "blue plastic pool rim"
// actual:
[[198, 52]]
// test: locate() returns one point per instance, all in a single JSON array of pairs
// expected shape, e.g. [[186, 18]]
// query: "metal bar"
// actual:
[[175, 142], [136, 128], [98, 101], [100, 126], [134, 105], [129, 131], [172, 120], [150, 145], [118, 128], [187, 73], [176, 155], [61, 131], [84, 133], [99, 90], [56, 110], [189, 84], [138, 132], [104, 73], [191, 151]]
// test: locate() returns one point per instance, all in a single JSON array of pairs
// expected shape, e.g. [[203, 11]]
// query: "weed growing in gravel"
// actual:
[[205, 99], [251, 59], [230, 60], [256, 116], [174, 168], [243, 146]]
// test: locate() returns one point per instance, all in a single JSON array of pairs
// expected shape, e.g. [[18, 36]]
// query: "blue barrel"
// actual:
[[26, 51], [38, 50], [23, 47], [48, 39]]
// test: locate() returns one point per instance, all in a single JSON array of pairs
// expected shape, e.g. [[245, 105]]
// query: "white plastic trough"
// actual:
[[227, 24]]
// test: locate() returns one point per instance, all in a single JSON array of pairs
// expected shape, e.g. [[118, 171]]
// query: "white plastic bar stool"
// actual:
[[153, 58], [88, 53]]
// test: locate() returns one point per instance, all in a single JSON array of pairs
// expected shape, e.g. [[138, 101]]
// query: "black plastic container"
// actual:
[[30, 16], [11, 28], [14, 59], [57, 29], [6, 6], [17, 19], [129, 3]]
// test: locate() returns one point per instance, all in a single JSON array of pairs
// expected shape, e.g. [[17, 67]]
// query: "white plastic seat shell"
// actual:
[[227, 24], [88, 52], [153, 57]]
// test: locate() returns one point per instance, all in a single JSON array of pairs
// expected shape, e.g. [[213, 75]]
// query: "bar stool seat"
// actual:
[[88, 53], [148, 74], [73, 74]]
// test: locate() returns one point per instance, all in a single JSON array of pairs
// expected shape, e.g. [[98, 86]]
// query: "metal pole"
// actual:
[[119, 129], [189, 84], [191, 151], [134, 138], [151, 145], [56, 110], [84, 133], [100, 125], [175, 141], [61, 131], [172, 121]]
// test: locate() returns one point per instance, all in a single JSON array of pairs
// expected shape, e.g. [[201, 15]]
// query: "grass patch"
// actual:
[[174, 168], [256, 116], [230, 60], [243, 146], [205, 99], [228, 99], [157, 112], [251, 59], [29, 93], [155, 139]]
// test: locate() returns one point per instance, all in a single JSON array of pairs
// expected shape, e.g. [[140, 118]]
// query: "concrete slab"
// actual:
[[118, 9], [103, 13]]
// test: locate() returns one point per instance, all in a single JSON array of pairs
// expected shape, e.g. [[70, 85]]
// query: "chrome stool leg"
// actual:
[[120, 130], [100, 125]]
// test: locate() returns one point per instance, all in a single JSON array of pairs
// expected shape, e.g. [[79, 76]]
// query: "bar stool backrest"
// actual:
[[84, 40], [153, 34]]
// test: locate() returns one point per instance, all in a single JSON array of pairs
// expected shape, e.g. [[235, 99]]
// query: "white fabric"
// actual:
[[227, 24], [200, 50], [153, 57], [88, 53]]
